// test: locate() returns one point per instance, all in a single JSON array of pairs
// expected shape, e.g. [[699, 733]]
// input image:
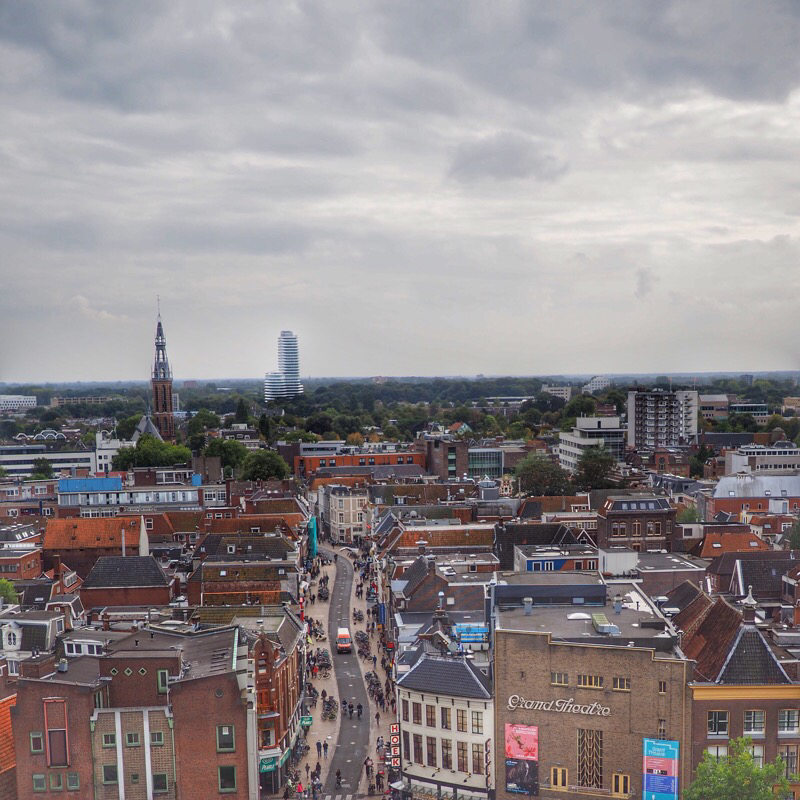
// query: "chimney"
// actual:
[[617, 603], [797, 614], [528, 603], [122, 534], [57, 568], [36, 666], [106, 622]]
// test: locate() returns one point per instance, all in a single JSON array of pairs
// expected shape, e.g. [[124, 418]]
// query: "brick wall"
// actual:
[[126, 596]]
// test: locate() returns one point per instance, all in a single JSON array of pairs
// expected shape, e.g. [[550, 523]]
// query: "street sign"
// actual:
[[267, 764], [394, 728], [306, 720]]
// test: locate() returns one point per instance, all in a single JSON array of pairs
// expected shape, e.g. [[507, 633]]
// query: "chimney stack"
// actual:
[[528, 603]]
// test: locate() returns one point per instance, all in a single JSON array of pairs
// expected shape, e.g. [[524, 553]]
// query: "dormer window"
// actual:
[[11, 638]]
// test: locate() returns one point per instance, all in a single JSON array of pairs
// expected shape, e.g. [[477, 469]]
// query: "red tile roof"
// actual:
[[91, 533], [7, 758], [712, 639], [715, 544]]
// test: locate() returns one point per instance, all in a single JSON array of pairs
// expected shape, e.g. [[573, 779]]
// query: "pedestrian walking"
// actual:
[[308, 770], [325, 749], [374, 661], [319, 749], [377, 717], [286, 793]]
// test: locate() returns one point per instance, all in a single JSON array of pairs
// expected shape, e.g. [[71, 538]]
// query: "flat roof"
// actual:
[[545, 578], [668, 562]]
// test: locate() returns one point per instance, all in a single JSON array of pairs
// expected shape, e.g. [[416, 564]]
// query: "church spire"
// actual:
[[161, 370], [162, 385]]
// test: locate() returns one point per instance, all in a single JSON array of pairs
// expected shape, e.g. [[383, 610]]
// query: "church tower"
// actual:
[[162, 388]]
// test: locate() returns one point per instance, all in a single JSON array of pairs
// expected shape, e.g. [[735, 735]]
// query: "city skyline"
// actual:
[[547, 188]]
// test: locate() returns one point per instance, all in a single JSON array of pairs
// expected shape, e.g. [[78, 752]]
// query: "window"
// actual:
[[110, 773], [430, 745], [73, 781], [477, 721], [621, 684], [559, 679], [132, 740], [590, 758], [558, 778], [57, 748], [11, 638], [406, 746], [788, 752], [225, 741], [461, 754], [662, 729], [662, 687], [621, 784], [461, 720], [227, 778], [788, 720], [590, 681], [477, 758], [418, 749], [37, 743], [447, 754], [416, 708], [56, 782], [163, 681], [405, 710], [430, 716], [109, 740], [757, 751], [39, 783], [754, 723], [717, 723], [445, 718], [717, 751], [160, 782]]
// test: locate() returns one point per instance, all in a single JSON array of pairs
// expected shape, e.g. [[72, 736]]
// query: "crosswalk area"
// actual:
[[337, 797]]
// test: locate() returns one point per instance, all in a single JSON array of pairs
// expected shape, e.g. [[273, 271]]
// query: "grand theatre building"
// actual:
[[591, 692]]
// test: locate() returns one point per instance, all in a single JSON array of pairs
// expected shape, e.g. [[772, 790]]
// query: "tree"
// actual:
[[688, 515], [3, 472], [794, 535], [737, 777], [42, 469], [263, 465], [231, 452], [594, 469], [126, 427], [151, 452], [698, 461], [355, 439], [201, 421], [8, 592], [264, 427], [242, 414], [540, 476]]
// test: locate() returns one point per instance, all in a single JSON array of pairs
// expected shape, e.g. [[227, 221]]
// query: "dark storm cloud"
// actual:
[[341, 168]]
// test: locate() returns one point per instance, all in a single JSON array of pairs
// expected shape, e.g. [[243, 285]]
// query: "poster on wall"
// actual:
[[660, 769], [522, 759]]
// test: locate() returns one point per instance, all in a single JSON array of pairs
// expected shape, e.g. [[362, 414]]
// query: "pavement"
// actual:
[[349, 741]]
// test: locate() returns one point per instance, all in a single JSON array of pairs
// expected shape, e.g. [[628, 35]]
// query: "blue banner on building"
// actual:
[[312, 536], [660, 769]]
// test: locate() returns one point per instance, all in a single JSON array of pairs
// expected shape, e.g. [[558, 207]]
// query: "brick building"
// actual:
[[578, 693], [160, 714], [642, 522], [127, 581], [446, 458]]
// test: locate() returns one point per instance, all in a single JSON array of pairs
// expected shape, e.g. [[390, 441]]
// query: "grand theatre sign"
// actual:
[[559, 706]]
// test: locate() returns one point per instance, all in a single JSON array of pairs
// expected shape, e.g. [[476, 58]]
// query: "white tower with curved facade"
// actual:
[[286, 381]]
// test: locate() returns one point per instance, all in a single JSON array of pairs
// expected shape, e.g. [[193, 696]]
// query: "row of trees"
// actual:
[[538, 475]]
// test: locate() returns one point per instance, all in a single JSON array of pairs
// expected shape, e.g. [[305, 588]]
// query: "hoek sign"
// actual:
[[560, 706]]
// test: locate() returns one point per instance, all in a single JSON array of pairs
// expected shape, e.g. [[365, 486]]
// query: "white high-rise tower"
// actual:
[[286, 381]]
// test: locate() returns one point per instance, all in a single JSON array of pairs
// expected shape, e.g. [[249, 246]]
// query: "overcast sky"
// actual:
[[412, 187]]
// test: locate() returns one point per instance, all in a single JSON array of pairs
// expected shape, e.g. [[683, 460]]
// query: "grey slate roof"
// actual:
[[683, 595], [261, 546], [414, 575], [448, 676], [751, 661], [146, 426], [765, 575], [121, 571], [33, 636]]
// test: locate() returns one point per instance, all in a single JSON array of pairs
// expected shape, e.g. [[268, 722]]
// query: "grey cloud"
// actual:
[[505, 156], [646, 281]]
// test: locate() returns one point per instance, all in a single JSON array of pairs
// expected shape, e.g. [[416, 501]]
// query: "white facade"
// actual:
[[564, 392], [17, 402], [344, 510], [18, 460], [453, 750], [286, 381], [759, 458], [596, 384], [589, 432], [662, 418]]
